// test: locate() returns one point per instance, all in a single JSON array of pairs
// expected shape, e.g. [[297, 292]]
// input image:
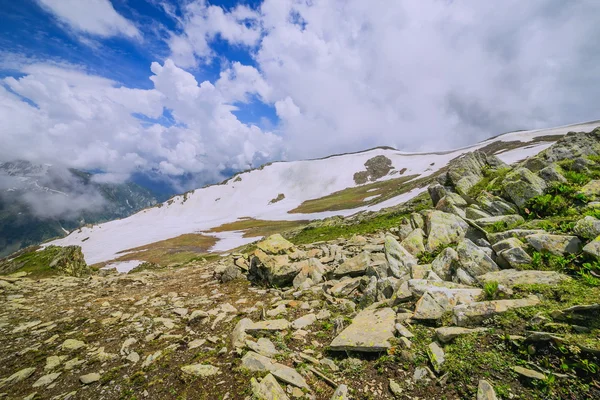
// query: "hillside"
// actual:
[[40, 202], [288, 193], [485, 286]]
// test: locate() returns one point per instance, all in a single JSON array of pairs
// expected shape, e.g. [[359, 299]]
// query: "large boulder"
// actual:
[[273, 270], [495, 205], [275, 244], [370, 331], [309, 269], [465, 171], [445, 263], [69, 261], [399, 259], [413, 243], [555, 244], [572, 146], [587, 228], [443, 229], [353, 267], [474, 260], [521, 185]]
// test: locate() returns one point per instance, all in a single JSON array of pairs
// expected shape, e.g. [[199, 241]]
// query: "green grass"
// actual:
[[368, 225], [490, 290], [37, 263], [491, 181], [257, 227], [355, 196]]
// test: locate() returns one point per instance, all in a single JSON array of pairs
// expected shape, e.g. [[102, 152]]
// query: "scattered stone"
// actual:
[[72, 344], [593, 248], [238, 336], [255, 362], [398, 258], [445, 263], [267, 326], [18, 376], [46, 380], [369, 332], [275, 244], [341, 393], [304, 321], [468, 314], [443, 229], [587, 228], [395, 388], [413, 243], [202, 370], [267, 389], [529, 373], [353, 267], [89, 378], [263, 346], [555, 244], [436, 356], [447, 334], [485, 391], [474, 260], [506, 220]]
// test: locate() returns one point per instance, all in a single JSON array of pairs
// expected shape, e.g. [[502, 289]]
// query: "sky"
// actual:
[[191, 91]]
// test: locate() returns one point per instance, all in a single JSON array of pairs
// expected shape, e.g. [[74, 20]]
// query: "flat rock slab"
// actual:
[[369, 332], [468, 314], [268, 389], [203, 370], [513, 277], [529, 373], [273, 325], [257, 363]]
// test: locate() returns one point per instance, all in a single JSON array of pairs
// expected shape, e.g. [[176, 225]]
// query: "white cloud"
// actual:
[[426, 75], [94, 17], [86, 121]]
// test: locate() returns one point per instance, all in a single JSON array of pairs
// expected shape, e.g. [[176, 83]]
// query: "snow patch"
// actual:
[[124, 266]]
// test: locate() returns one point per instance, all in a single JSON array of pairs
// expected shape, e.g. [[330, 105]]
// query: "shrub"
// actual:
[[490, 290]]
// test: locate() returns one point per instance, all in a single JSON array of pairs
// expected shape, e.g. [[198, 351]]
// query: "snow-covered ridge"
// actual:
[[249, 193]]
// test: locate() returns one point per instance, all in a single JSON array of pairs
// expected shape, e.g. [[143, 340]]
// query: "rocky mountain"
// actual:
[[485, 285], [40, 202], [292, 193]]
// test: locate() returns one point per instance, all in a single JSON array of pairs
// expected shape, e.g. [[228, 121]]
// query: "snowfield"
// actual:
[[249, 194]]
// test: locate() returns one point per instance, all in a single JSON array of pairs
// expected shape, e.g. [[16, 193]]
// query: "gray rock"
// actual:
[[506, 220], [17, 377], [89, 378], [551, 174], [443, 229], [506, 244], [445, 263], [370, 331], [474, 313], [309, 269], [474, 260], [555, 244], [417, 221], [202, 370], [268, 326], [255, 362], [514, 233], [436, 356], [475, 213], [275, 244], [587, 228], [495, 205], [231, 273], [512, 277], [341, 393], [353, 267], [485, 391], [398, 258], [593, 248], [413, 243], [238, 335], [436, 192], [72, 344], [591, 190], [304, 321], [529, 373], [263, 346], [46, 380], [447, 334], [395, 388], [274, 270], [452, 203], [346, 287], [521, 185], [267, 389], [515, 257]]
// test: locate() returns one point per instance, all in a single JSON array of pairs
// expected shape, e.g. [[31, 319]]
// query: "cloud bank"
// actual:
[[340, 76]]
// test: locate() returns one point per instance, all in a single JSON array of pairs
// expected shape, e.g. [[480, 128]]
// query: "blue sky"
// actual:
[[192, 90]]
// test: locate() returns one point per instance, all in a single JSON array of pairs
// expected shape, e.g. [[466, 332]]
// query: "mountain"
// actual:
[[288, 194], [40, 202]]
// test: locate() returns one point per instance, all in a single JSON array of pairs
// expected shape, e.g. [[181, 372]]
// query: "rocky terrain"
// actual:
[[488, 289]]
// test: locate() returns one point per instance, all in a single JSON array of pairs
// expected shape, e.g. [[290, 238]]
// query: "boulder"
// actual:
[[474, 313], [353, 267], [466, 171], [521, 185], [506, 244], [555, 244], [436, 356], [309, 269], [593, 248], [437, 301], [474, 260], [256, 363], [274, 270], [345, 287], [551, 174], [398, 258], [267, 389], [275, 244], [445, 263], [515, 257], [231, 273], [443, 229], [452, 203], [587, 228], [69, 261], [506, 220], [591, 190], [495, 205], [513, 277], [370, 331], [201, 370], [436, 192], [514, 233], [474, 213], [485, 391], [413, 243]]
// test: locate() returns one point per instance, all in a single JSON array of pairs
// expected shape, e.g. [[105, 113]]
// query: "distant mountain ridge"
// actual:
[[41, 201]]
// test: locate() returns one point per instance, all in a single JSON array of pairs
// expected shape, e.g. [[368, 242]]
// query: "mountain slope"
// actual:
[[40, 202], [293, 191]]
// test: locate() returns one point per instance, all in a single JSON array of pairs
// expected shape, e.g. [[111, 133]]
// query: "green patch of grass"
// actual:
[[37, 263], [366, 225], [257, 227], [491, 181], [490, 290], [355, 196]]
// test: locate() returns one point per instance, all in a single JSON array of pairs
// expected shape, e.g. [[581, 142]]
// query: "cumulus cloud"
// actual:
[[426, 75], [91, 123], [93, 17]]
